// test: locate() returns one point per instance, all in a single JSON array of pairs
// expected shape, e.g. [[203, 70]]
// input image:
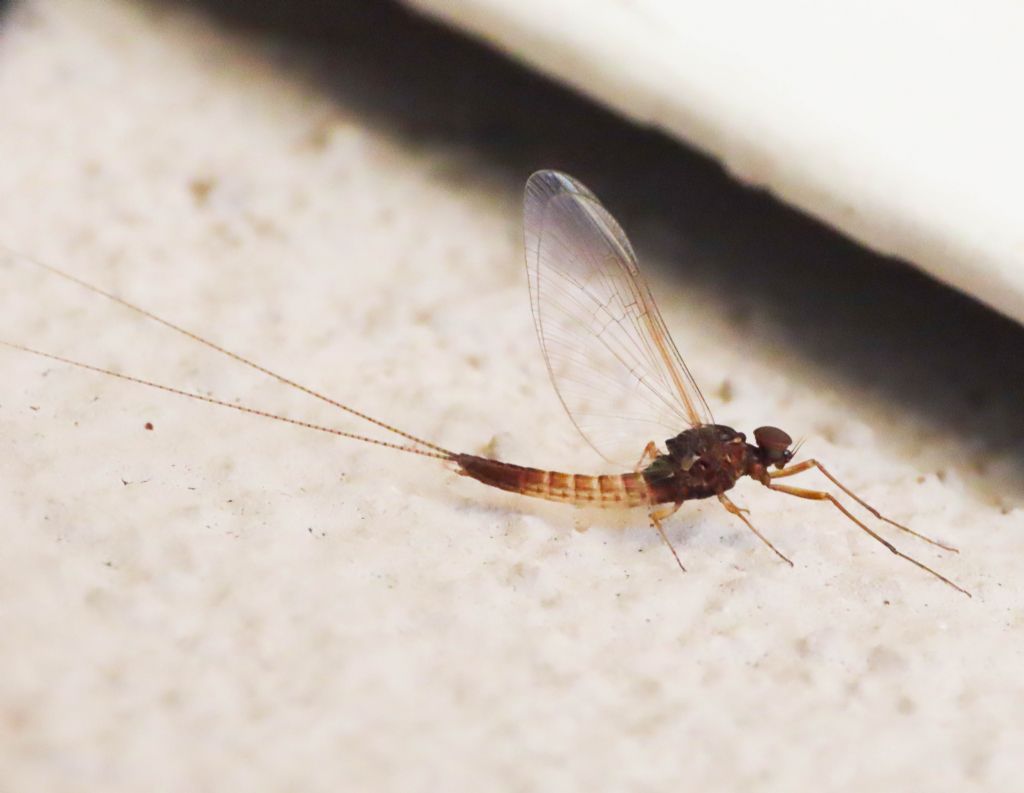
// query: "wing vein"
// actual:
[[607, 349]]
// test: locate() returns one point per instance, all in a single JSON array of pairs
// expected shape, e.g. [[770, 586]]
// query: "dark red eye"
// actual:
[[772, 439]]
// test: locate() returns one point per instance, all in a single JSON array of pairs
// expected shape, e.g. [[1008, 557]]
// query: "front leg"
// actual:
[[808, 464], [820, 495]]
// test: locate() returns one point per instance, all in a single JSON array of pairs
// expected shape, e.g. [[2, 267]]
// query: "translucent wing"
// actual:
[[610, 356]]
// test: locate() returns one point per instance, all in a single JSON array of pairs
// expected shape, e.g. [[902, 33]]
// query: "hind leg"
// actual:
[[649, 456]]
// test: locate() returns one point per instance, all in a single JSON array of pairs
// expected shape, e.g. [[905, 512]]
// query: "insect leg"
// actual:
[[664, 513], [649, 456], [727, 503], [807, 464], [820, 495], [790, 470]]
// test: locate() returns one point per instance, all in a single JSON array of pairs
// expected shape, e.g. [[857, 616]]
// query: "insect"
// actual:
[[616, 371]]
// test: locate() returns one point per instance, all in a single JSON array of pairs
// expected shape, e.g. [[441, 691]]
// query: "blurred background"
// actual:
[[334, 188]]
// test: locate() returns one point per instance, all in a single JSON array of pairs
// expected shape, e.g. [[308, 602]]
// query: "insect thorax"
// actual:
[[701, 462]]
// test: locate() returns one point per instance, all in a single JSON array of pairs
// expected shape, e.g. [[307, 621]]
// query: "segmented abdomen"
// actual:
[[613, 490]]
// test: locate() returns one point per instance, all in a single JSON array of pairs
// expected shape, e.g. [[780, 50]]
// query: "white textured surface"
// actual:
[[899, 123], [224, 603]]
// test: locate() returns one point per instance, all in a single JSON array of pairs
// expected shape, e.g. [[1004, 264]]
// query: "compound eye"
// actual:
[[772, 440]]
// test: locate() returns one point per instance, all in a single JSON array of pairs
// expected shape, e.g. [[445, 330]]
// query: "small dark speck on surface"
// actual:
[[149, 425], [201, 187]]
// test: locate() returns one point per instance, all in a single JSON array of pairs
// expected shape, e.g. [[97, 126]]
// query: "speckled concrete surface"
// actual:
[[226, 603]]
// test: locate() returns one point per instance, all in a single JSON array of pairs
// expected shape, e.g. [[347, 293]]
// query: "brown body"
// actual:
[[609, 490], [701, 462]]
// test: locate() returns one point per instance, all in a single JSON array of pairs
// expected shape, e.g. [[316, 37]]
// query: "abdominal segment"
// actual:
[[610, 490]]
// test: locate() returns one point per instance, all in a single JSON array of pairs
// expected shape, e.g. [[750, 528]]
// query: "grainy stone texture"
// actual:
[[226, 603], [896, 122]]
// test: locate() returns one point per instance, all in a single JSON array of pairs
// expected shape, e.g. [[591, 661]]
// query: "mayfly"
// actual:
[[606, 346]]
